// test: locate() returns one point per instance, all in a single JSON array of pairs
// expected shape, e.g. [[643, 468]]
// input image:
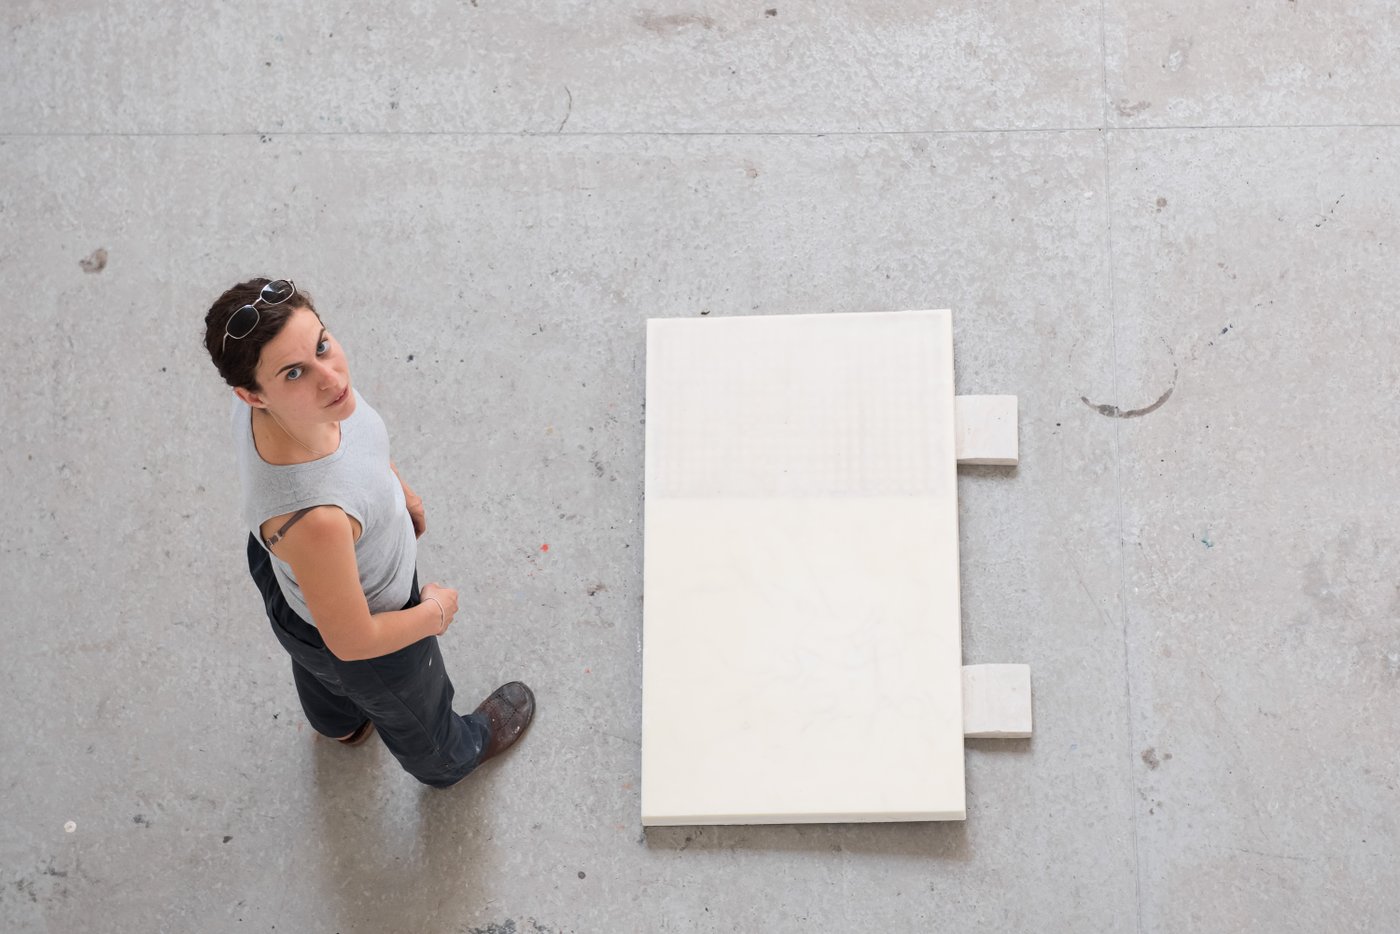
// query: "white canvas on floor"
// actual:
[[802, 643]]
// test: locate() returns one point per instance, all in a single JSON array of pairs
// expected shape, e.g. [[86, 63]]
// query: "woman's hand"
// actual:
[[415, 512], [414, 502], [446, 598]]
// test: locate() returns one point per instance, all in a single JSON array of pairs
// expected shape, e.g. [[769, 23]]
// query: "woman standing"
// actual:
[[332, 543]]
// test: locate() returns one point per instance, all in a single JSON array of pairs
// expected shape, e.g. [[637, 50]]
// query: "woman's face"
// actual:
[[304, 374]]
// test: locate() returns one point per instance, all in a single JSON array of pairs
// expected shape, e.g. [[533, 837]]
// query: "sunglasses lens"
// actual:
[[242, 322], [277, 291]]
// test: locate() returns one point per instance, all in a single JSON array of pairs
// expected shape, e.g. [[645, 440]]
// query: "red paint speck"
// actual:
[[544, 547]]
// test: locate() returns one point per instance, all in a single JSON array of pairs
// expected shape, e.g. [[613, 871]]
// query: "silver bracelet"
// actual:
[[442, 615]]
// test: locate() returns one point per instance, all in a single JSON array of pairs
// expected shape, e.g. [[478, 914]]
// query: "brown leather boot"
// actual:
[[510, 708], [360, 735]]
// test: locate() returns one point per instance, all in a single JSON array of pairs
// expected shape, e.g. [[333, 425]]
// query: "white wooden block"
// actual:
[[987, 430], [801, 656], [997, 701]]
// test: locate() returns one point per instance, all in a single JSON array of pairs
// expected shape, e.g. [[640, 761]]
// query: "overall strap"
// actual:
[[277, 537]]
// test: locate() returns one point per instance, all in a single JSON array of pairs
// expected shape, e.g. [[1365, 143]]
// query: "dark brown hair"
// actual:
[[237, 361]]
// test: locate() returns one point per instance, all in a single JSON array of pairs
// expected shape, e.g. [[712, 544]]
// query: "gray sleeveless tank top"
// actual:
[[357, 478]]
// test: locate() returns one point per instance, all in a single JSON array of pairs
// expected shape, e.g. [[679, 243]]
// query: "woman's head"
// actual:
[[288, 362], [237, 358]]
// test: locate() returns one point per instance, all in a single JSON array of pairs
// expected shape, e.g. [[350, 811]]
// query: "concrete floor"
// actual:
[[1126, 204]]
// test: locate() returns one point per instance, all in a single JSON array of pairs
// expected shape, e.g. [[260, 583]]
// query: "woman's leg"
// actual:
[[329, 713], [408, 695]]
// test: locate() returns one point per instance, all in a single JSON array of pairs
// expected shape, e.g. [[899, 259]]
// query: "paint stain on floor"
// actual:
[[96, 262], [1112, 411]]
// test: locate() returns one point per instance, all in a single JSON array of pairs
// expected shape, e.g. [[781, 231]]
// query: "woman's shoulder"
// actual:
[[317, 523]]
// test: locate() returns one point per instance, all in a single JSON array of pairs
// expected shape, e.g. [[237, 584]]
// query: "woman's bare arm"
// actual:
[[321, 551]]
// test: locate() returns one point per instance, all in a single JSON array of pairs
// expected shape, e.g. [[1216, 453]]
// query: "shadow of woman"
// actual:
[[396, 854]]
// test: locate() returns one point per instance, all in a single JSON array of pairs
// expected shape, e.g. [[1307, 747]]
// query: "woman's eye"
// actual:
[[295, 372]]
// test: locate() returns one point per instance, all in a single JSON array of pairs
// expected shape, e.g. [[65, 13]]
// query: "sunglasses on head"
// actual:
[[246, 318]]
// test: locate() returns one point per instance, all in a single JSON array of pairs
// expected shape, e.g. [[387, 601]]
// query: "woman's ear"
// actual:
[[251, 398]]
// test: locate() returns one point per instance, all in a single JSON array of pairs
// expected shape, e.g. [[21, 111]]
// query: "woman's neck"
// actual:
[[293, 444]]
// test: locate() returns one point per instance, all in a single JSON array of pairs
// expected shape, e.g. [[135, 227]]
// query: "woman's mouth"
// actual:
[[340, 398]]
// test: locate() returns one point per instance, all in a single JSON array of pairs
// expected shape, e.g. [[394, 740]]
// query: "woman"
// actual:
[[332, 543]]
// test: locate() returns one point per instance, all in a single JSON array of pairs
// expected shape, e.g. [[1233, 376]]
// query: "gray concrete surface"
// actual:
[[1124, 203]]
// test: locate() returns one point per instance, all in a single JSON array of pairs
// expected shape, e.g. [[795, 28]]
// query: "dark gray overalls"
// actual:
[[406, 693]]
